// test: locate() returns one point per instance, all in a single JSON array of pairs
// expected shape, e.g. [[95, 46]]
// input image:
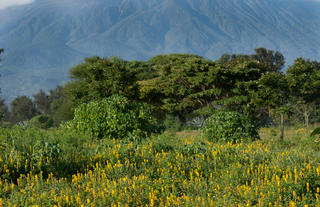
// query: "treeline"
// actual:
[[187, 88]]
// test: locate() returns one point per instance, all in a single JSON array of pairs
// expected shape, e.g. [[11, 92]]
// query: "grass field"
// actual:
[[61, 168]]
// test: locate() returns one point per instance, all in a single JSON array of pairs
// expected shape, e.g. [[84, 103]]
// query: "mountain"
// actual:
[[42, 40]]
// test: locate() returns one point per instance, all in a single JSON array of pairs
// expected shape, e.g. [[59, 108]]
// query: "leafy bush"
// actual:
[[228, 126], [114, 117], [42, 121]]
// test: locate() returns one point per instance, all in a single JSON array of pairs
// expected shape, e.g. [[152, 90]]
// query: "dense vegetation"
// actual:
[[187, 88], [110, 136], [114, 118], [59, 168], [229, 127]]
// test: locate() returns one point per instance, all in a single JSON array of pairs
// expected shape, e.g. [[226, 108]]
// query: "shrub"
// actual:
[[172, 123], [42, 121], [114, 117], [228, 127]]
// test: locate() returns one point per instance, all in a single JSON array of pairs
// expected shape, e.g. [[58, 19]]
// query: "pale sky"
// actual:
[[7, 3]]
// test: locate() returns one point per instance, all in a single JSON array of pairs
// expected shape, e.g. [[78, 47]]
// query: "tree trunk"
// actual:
[[306, 118], [306, 112], [282, 126]]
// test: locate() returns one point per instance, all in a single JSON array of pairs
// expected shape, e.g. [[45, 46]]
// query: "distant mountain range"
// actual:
[[42, 40]]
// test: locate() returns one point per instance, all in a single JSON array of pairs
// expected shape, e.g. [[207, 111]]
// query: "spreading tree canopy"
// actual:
[[97, 78], [183, 84]]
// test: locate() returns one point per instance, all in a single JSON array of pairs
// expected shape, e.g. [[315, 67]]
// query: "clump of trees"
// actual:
[[187, 87], [55, 105]]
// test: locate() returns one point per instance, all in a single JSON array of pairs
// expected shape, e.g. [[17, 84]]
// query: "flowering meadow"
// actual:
[[57, 168]]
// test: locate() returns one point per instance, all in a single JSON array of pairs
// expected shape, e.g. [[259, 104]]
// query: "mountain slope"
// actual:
[[44, 39]]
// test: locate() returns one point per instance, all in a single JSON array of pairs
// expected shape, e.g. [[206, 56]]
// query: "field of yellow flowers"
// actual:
[[52, 168]]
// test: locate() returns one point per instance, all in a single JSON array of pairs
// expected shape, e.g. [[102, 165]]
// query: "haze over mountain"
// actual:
[[43, 39]]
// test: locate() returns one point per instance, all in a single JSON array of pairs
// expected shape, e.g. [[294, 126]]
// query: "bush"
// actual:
[[114, 117], [42, 121], [172, 123], [228, 127]]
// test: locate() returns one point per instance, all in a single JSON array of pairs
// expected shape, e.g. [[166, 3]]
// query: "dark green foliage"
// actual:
[[274, 61], [251, 84], [228, 127], [42, 121], [315, 132], [238, 82], [184, 83], [114, 117], [4, 112], [304, 80], [98, 78], [61, 107], [22, 109], [143, 70], [42, 102], [172, 123], [304, 87]]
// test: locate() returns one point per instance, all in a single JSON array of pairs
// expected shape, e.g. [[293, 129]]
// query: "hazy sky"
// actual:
[[6, 3]]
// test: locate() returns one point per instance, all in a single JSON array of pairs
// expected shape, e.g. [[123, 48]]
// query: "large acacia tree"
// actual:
[[182, 84], [244, 80]]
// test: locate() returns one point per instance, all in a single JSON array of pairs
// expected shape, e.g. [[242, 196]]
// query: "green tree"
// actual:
[[304, 85], [22, 109], [272, 60], [3, 107], [272, 94], [4, 112], [238, 82], [97, 78], [61, 107], [238, 77], [183, 84], [42, 102]]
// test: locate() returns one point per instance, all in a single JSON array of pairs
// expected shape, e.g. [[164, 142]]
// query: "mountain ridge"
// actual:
[[44, 39]]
